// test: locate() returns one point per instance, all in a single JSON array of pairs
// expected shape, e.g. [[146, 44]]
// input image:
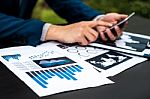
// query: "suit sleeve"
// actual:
[[23, 32], [73, 10]]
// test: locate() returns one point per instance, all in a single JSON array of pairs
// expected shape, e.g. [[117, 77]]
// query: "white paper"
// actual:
[[47, 72], [108, 62], [16, 50], [131, 39]]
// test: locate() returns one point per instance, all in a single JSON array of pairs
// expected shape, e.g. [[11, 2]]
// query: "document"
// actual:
[[54, 67], [48, 72], [131, 43], [106, 61]]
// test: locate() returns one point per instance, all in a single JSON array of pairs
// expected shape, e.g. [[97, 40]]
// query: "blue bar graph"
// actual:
[[36, 80], [57, 74], [44, 72], [79, 66], [75, 67], [38, 77], [49, 72], [41, 75], [63, 73], [68, 74], [68, 70]]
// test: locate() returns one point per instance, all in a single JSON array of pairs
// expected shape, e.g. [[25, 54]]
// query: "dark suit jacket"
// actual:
[[16, 25]]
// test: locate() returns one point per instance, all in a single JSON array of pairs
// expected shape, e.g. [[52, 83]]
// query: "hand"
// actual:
[[81, 32], [112, 18]]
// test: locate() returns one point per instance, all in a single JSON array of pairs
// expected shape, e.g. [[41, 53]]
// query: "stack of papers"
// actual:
[[54, 67]]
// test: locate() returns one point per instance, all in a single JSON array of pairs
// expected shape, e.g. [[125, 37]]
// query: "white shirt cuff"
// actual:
[[98, 17], [45, 30]]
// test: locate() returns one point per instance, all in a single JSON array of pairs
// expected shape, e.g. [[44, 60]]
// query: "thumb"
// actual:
[[120, 17]]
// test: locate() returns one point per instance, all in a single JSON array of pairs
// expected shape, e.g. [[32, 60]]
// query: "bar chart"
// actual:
[[63, 73]]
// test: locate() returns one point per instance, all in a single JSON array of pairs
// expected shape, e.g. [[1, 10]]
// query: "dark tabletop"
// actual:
[[133, 83]]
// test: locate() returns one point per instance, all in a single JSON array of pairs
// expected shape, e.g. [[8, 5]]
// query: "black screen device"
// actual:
[[120, 24]]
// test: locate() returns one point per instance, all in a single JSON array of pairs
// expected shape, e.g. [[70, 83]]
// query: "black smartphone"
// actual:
[[120, 24]]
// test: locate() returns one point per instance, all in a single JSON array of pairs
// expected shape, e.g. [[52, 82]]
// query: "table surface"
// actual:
[[133, 83]]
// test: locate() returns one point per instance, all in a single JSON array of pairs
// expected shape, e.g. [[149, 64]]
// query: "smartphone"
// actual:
[[121, 23]]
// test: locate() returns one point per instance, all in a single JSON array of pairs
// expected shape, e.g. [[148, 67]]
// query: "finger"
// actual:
[[110, 35], [94, 33], [120, 17], [91, 35], [103, 23], [123, 16], [118, 31], [103, 37], [91, 23], [101, 30], [83, 41], [98, 23]]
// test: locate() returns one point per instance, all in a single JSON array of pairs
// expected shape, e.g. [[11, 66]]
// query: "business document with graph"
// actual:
[[54, 67], [107, 62], [47, 72]]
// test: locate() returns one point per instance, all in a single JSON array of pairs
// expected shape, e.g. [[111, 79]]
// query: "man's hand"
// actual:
[[113, 18], [81, 32]]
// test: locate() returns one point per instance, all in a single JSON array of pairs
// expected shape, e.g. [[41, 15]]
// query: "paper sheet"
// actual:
[[129, 43], [108, 62], [47, 72]]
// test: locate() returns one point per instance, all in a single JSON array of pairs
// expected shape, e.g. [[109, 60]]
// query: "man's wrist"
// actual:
[[45, 31], [53, 33]]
